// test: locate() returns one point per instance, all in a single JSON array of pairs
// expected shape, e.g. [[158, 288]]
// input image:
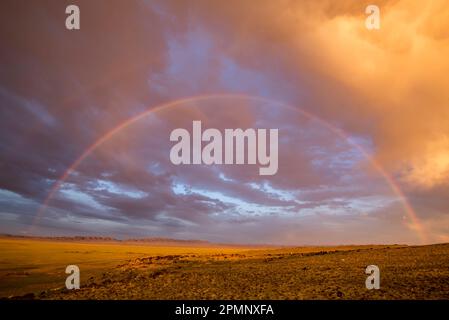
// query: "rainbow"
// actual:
[[416, 224]]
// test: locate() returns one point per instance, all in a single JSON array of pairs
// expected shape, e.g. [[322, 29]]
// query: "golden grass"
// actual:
[[139, 270], [30, 265]]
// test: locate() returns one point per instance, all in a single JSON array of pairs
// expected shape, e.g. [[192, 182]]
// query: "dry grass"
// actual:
[[28, 265], [131, 271]]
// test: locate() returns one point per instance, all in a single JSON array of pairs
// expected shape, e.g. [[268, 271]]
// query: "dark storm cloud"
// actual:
[[61, 90]]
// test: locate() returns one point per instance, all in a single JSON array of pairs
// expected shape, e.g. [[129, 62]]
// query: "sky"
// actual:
[[363, 119]]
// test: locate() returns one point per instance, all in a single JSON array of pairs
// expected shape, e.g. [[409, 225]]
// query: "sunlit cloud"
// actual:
[[385, 91]]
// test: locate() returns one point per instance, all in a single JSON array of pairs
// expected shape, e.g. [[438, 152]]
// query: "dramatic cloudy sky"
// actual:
[[363, 143]]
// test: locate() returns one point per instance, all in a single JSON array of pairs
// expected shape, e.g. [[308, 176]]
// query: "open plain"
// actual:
[[35, 269]]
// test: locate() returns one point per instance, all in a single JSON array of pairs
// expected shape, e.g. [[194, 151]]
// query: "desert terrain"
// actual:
[[32, 268]]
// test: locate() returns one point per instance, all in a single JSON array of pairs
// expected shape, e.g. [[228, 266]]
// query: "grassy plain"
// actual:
[[30, 265], [116, 270]]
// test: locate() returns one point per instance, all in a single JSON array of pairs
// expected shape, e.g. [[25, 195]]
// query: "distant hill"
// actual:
[[73, 238], [147, 240], [152, 240]]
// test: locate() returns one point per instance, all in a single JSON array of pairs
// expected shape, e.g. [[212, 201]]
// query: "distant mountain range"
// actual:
[[148, 240]]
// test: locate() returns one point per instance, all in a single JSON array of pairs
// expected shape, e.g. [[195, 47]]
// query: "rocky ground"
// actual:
[[406, 273]]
